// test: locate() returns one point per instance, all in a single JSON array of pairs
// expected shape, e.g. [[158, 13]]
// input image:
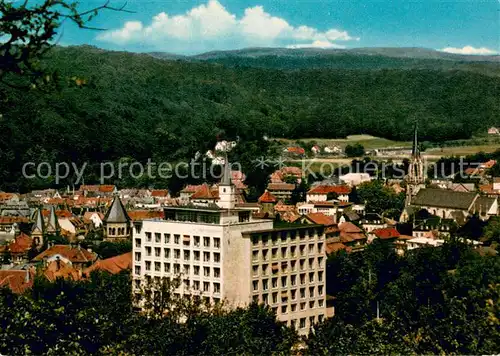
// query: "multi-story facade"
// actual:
[[221, 253]]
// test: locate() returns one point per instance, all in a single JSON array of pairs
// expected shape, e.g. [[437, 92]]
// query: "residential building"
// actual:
[[354, 179], [75, 256], [220, 253], [323, 193], [282, 191]]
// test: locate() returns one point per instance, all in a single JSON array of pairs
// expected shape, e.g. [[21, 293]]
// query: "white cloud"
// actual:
[[211, 26], [316, 44], [469, 50]]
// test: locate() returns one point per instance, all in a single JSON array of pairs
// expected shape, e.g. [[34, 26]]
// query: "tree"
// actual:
[[380, 199], [356, 150], [29, 30]]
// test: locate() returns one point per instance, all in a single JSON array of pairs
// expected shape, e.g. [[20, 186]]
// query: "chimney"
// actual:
[[58, 263], [27, 277]]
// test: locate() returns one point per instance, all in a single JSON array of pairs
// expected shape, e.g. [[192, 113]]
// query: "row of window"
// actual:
[[287, 252], [294, 294], [186, 240], [284, 237], [205, 287], [302, 321], [293, 307], [176, 255], [177, 269], [286, 266], [303, 278]]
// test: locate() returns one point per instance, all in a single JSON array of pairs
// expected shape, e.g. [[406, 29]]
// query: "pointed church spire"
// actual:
[[38, 226], [226, 174], [53, 223], [415, 152]]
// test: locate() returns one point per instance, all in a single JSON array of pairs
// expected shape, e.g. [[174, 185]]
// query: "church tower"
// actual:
[[116, 222], [415, 179], [38, 228], [227, 190], [53, 224]]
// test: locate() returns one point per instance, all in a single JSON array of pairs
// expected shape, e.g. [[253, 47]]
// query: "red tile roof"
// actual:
[[6, 196], [159, 193], [16, 280], [386, 233], [190, 188], [489, 164], [332, 247], [59, 213], [112, 265], [282, 207], [205, 192], [281, 186], [296, 150], [21, 244], [326, 189], [88, 215], [267, 197], [13, 219], [320, 218], [72, 253], [349, 227], [59, 269], [104, 188]]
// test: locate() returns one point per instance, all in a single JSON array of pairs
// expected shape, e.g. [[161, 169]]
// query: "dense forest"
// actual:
[[106, 106], [430, 301]]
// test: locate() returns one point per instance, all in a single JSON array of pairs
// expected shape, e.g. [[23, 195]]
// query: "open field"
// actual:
[[461, 150], [369, 142]]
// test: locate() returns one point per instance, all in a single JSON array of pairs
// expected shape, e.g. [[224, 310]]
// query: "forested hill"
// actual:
[[113, 104], [356, 58]]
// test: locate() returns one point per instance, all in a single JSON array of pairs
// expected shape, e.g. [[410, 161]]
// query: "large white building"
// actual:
[[221, 253]]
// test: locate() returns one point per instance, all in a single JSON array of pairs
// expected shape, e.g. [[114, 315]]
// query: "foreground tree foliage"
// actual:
[[431, 301], [96, 316]]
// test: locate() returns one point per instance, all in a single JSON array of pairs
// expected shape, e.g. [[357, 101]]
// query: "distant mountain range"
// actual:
[[356, 58]]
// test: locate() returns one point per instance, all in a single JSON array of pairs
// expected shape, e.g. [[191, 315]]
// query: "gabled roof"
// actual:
[[72, 253], [104, 188], [204, 192], [320, 219], [59, 269], [13, 219], [112, 265], [89, 214], [17, 280], [116, 213], [349, 227], [159, 193], [332, 247], [444, 198], [267, 197], [386, 233], [21, 244], [281, 186], [326, 189], [483, 204]]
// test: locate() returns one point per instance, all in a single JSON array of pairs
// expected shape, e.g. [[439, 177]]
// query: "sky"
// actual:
[[196, 26]]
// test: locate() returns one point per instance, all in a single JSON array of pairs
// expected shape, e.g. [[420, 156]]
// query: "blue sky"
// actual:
[[187, 26]]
